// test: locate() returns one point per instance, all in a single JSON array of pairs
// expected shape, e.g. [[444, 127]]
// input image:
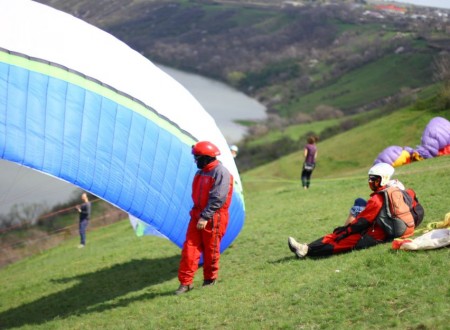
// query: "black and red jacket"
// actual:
[[212, 189]]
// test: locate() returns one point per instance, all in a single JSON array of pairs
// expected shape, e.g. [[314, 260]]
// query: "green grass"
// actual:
[[294, 132], [120, 281], [372, 82]]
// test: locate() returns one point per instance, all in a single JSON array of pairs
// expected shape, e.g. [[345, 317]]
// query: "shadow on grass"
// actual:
[[290, 258], [93, 292]]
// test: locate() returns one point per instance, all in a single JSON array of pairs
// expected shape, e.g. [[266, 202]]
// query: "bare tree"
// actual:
[[26, 214], [442, 74], [324, 111], [442, 68]]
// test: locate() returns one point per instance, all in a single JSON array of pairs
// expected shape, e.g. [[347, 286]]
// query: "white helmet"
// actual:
[[384, 171], [234, 148]]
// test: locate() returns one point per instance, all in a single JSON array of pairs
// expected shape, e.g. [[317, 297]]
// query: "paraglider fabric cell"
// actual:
[[80, 105], [444, 151], [394, 155], [435, 138], [404, 158]]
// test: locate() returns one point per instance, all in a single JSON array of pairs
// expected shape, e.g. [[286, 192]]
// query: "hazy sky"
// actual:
[[428, 3]]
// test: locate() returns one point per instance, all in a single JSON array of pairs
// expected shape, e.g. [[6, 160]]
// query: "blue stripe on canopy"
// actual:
[[102, 146]]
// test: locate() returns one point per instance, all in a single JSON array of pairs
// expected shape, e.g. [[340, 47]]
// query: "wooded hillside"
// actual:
[[276, 53]]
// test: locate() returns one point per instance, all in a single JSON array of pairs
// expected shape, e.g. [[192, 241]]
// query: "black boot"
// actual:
[[208, 283], [184, 288]]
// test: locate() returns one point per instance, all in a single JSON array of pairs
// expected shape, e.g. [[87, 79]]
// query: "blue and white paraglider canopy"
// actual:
[[80, 105]]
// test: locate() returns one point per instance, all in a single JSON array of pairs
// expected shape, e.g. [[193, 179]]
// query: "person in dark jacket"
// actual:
[[310, 153], [361, 232], [212, 189], [84, 211]]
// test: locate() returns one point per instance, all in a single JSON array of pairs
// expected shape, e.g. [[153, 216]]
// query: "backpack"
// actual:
[[401, 212], [417, 209]]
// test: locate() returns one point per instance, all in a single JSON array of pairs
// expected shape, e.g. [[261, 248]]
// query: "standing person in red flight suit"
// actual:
[[212, 189], [363, 231]]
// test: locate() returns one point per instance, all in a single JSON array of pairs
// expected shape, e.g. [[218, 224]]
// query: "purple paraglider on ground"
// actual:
[[435, 142]]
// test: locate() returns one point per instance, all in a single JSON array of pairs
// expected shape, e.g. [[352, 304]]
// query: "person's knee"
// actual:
[[365, 242]]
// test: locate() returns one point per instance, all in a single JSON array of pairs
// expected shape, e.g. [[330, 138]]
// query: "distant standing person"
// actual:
[[234, 150], [310, 153], [85, 214]]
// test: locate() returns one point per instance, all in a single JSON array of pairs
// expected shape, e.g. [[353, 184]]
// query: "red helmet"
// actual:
[[205, 148]]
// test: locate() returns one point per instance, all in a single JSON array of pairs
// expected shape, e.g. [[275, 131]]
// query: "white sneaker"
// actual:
[[300, 250], [81, 246]]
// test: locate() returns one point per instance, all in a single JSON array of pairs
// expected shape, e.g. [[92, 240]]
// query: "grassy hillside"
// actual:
[[372, 82], [293, 132], [120, 281], [352, 150], [334, 55]]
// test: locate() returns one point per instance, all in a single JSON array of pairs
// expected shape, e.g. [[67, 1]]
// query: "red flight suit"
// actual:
[[212, 189], [362, 232]]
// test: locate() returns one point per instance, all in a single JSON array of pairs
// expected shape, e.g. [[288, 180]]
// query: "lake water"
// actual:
[[224, 103], [23, 186]]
